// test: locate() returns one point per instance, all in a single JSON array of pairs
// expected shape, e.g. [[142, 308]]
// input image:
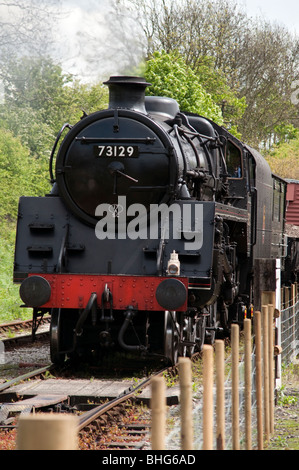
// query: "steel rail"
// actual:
[[95, 413], [21, 324], [29, 375]]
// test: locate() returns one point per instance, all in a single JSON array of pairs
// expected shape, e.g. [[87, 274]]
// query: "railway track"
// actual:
[[114, 426], [22, 331], [131, 423], [21, 325], [118, 423]]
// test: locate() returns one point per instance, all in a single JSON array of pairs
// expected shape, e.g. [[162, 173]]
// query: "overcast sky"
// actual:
[[282, 11], [87, 17], [286, 11]]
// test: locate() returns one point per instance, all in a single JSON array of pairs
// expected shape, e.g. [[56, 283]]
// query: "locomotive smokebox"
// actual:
[[127, 93]]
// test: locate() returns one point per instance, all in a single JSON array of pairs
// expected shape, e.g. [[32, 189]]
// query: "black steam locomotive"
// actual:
[[148, 239]]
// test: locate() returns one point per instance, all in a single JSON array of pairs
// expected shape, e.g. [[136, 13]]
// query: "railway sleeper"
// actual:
[[23, 407]]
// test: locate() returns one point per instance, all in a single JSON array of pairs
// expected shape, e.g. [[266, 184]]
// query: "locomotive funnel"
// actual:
[[127, 93]]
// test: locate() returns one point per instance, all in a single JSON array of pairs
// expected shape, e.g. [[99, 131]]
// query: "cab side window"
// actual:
[[278, 201], [233, 161]]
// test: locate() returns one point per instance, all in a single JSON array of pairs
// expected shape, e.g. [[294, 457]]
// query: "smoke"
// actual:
[[80, 24], [27, 26], [90, 39], [93, 40]]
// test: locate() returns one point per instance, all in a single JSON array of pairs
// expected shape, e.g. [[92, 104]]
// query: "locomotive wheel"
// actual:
[[57, 356], [171, 337]]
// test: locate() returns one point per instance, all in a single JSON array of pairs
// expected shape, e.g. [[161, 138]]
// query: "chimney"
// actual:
[[127, 93]]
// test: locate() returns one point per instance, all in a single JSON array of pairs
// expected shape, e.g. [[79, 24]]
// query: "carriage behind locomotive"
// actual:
[[111, 275]]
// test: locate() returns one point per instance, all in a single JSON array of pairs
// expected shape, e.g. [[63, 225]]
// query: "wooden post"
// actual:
[[271, 367], [220, 394], [235, 387], [269, 298], [47, 432], [277, 348], [185, 376], [158, 411], [266, 371], [293, 300], [258, 383], [248, 387], [286, 297], [208, 369]]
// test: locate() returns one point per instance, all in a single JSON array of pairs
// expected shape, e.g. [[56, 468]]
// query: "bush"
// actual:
[[18, 175], [9, 293], [170, 76]]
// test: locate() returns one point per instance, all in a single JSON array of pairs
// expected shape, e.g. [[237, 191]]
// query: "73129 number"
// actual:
[[119, 151]]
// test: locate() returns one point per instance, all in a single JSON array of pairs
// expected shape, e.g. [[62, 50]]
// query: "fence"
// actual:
[[289, 323], [234, 411]]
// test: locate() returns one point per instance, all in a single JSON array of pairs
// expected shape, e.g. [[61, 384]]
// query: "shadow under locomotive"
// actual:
[[114, 279]]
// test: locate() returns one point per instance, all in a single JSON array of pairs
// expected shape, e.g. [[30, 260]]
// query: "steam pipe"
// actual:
[[65, 126], [90, 305], [129, 316]]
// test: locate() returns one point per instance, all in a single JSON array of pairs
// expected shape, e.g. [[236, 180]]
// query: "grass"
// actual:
[[286, 434], [9, 293]]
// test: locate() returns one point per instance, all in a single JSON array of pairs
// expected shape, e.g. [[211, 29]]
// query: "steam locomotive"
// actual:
[[148, 239]]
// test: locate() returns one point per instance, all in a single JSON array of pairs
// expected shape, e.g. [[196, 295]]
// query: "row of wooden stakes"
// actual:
[[214, 377], [59, 432]]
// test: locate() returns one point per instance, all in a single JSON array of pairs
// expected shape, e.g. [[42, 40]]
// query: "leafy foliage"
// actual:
[[9, 293], [19, 175], [215, 82], [39, 98], [170, 76], [283, 159], [250, 58]]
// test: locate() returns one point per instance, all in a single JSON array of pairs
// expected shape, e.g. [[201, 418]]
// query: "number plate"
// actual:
[[118, 151]]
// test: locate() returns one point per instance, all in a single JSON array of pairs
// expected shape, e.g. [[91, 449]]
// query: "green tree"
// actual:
[[9, 293], [40, 98], [19, 175], [170, 76], [215, 82], [257, 59], [283, 159], [37, 84]]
